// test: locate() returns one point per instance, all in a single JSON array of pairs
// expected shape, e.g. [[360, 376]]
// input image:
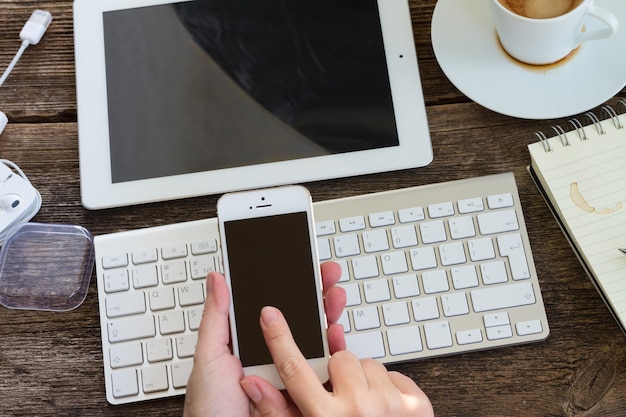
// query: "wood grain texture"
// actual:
[[51, 363]]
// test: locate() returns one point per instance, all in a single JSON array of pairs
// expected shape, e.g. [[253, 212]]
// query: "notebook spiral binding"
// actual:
[[580, 129]]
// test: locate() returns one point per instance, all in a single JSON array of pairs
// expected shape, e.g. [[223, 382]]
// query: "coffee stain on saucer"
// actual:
[[538, 68]]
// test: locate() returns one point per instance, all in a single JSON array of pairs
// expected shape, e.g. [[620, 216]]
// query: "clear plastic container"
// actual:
[[45, 266]]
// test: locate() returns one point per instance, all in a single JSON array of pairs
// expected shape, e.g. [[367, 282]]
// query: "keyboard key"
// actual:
[[438, 335], [526, 328], [346, 245], [154, 378], [452, 254], [503, 296], [454, 304], [412, 214], [161, 299], [493, 272], [186, 345], [461, 227], [345, 321], [325, 228], [466, 337], [464, 277], [323, 249], [115, 261], [435, 281], [423, 258], [115, 281], [481, 249], [145, 276], [396, 313], [180, 373], [365, 267], [512, 247], [174, 252], [497, 222], [404, 340], [125, 304], [440, 210], [174, 271], [159, 350], [132, 328], [194, 315], [345, 274], [201, 266], [204, 247], [350, 224], [405, 286], [366, 318], [425, 308], [144, 256], [375, 241], [125, 355], [497, 201], [496, 319], [353, 294], [394, 263], [191, 294], [171, 322], [124, 383], [433, 232], [366, 345], [376, 290], [403, 236], [385, 218], [470, 205], [499, 332]]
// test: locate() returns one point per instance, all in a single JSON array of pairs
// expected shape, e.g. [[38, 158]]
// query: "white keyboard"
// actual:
[[433, 270]]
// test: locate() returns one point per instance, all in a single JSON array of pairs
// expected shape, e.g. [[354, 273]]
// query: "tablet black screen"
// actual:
[[212, 84]]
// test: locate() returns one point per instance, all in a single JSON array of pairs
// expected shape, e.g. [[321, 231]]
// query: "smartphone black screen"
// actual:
[[270, 263]]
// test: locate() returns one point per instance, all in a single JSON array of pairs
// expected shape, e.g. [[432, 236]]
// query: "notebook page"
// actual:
[[586, 181]]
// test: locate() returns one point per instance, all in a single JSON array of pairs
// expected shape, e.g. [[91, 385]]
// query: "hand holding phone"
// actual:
[[270, 259]]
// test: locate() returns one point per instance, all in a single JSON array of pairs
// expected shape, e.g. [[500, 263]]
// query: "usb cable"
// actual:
[[30, 34]]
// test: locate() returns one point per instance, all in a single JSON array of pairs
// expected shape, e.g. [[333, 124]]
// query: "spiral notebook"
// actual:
[[581, 172]]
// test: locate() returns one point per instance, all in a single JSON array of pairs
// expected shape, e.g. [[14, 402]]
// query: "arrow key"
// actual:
[[525, 328]]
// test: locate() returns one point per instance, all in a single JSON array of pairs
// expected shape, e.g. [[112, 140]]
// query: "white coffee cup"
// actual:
[[541, 41]]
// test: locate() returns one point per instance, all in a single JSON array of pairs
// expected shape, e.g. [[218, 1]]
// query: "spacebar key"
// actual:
[[503, 296]]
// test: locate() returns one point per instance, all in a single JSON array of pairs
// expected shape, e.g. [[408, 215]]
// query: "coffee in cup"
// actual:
[[542, 32], [540, 9]]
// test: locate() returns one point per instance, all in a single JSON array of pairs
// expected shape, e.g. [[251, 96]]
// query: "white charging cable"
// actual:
[[30, 34], [30, 211]]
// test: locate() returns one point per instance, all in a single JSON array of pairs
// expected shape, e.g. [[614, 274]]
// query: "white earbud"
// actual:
[[3, 121], [10, 202]]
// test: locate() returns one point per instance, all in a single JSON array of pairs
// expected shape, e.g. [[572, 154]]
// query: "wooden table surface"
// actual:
[[51, 363]]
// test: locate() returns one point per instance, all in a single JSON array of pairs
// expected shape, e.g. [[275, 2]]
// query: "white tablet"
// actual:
[[185, 98]]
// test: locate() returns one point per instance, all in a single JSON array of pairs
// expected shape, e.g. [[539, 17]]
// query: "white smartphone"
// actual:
[[270, 257]]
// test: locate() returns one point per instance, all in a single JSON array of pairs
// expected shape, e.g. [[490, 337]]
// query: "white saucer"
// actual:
[[466, 47]]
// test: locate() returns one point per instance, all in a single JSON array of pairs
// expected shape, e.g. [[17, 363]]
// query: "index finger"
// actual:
[[302, 383]]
